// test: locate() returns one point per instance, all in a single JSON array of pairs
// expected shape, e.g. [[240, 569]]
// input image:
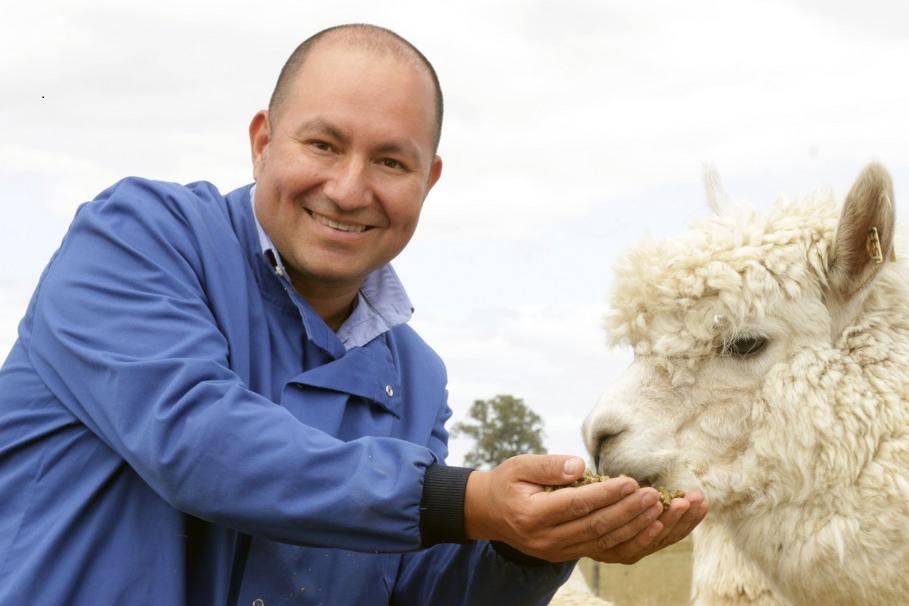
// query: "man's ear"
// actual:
[[864, 237], [259, 136], [435, 171]]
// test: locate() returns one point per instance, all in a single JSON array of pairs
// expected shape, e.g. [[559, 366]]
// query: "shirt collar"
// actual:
[[382, 303]]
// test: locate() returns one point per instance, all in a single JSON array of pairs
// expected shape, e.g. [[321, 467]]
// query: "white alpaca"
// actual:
[[771, 372]]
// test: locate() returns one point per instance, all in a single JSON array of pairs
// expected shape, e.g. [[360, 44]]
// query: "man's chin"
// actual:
[[326, 276]]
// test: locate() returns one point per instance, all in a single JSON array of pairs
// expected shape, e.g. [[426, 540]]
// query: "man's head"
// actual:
[[346, 155], [362, 36]]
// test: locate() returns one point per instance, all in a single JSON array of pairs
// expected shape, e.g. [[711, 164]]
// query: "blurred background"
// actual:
[[572, 129]]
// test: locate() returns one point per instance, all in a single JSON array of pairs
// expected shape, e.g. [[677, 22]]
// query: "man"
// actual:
[[217, 400]]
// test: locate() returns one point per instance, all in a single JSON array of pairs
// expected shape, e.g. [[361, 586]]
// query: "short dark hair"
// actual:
[[363, 35]]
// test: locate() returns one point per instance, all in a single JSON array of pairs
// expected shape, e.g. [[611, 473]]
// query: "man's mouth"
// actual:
[[345, 227]]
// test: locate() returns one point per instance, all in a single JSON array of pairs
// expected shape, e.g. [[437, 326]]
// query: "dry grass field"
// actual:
[[662, 579]]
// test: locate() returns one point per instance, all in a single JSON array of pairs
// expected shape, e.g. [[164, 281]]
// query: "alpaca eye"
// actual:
[[745, 347]]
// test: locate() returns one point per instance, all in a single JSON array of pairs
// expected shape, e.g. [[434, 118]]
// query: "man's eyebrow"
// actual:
[[321, 125], [396, 146]]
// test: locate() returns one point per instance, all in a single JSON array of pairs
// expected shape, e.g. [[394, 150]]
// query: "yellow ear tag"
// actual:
[[874, 246]]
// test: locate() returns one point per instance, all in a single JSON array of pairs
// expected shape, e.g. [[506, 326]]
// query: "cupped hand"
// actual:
[[611, 521]]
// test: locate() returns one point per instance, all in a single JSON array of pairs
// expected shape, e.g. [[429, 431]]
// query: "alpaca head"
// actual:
[[722, 321]]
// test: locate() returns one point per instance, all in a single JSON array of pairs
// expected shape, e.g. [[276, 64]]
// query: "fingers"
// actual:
[[670, 519], [611, 521], [629, 552], [682, 518], [546, 470], [574, 504], [673, 525], [611, 526]]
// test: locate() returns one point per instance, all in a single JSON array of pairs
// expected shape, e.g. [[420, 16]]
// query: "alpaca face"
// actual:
[[686, 421], [711, 317]]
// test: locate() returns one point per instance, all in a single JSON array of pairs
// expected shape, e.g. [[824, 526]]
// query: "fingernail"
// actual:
[[628, 488], [573, 467]]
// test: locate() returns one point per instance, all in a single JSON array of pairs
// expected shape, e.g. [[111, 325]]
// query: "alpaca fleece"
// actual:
[[802, 445]]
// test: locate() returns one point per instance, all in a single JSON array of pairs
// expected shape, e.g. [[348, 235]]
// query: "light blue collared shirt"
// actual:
[[382, 303]]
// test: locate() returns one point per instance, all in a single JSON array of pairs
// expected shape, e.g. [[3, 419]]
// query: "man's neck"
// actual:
[[333, 303]]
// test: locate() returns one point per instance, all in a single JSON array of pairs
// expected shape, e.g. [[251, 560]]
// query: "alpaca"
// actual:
[[771, 372]]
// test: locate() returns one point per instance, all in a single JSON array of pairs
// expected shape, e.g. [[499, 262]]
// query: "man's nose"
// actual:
[[348, 184]]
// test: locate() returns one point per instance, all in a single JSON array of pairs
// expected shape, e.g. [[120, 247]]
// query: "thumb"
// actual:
[[549, 470]]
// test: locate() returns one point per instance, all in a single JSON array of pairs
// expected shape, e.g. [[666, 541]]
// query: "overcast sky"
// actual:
[[572, 129]]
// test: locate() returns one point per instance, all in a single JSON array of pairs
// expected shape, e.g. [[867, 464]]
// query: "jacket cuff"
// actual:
[[442, 505], [518, 557]]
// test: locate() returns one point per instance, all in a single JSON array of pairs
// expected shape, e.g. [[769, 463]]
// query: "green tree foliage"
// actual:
[[501, 428]]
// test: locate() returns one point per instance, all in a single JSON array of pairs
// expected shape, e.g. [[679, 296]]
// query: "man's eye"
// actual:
[[745, 347], [391, 163], [321, 145]]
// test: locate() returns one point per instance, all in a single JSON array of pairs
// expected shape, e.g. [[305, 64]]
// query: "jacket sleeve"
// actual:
[[456, 572], [122, 333], [475, 574]]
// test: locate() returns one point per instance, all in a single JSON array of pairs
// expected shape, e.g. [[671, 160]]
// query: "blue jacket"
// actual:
[[177, 426]]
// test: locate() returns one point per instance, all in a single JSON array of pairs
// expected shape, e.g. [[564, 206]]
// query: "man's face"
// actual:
[[342, 170]]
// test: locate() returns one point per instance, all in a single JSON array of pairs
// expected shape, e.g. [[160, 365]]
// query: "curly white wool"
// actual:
[[802, 448]]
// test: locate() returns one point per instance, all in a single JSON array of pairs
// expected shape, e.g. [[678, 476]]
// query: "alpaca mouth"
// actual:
[[653, 480], [647, 481], [605, 462]]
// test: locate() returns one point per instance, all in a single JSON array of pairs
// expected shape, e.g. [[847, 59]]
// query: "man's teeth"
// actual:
[[338, 226]]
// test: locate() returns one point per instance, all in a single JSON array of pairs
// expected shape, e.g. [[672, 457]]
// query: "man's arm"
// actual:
[[535, 536], [457, 571], [122, 333]]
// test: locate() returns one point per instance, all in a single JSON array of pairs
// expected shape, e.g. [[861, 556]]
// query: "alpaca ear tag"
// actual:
[[874, 246]]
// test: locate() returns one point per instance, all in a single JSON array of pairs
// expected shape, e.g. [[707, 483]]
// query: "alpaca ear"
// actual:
[[864, 237], [718, 200]]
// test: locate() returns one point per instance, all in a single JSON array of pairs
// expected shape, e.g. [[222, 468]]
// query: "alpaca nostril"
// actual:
[[602, 439]]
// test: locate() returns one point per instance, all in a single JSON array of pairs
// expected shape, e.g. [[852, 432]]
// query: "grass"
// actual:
[[663, 578]]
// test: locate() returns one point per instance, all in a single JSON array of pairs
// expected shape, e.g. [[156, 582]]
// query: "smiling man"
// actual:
[[343, 160], [216, 399]]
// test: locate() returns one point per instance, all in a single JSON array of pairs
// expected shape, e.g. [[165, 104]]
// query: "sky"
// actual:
[[573, 129]]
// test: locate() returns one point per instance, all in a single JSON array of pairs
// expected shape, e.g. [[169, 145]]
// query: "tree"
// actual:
[[501, 428]]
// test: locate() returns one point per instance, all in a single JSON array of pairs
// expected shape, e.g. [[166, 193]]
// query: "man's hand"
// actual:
[[611, 521]]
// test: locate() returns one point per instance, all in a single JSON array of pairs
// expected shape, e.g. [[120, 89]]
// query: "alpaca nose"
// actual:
[[602, 441]]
